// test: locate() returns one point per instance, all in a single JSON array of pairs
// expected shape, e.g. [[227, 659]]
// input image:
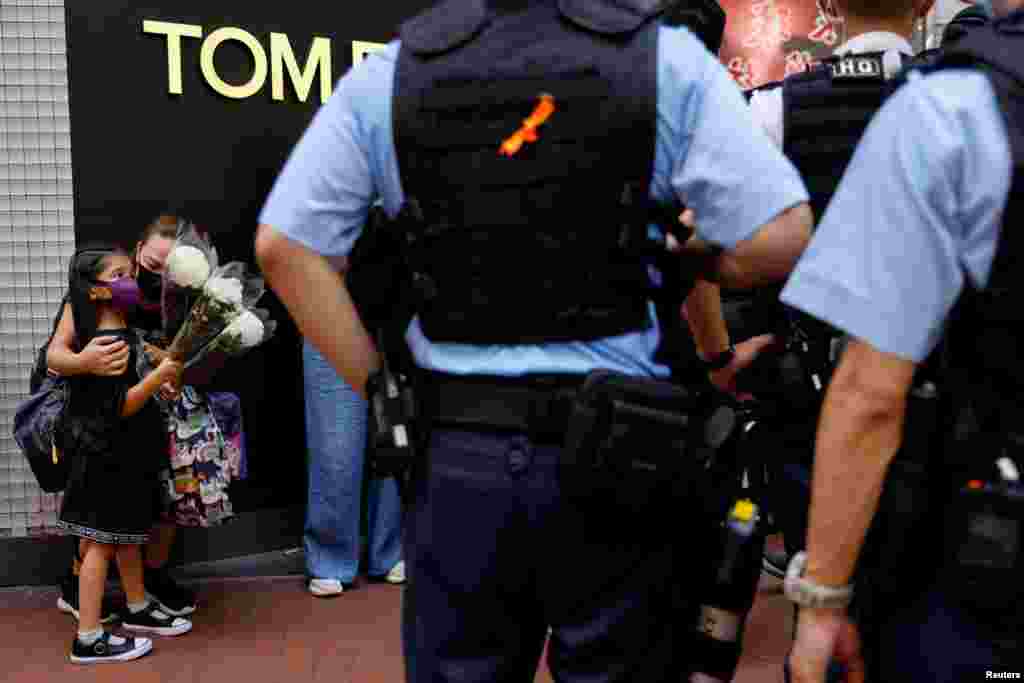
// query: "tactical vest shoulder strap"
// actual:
[[452, 23], [764, 87], [998, 50], [444, 26], [923, 63], [610, 17], [997, 46]]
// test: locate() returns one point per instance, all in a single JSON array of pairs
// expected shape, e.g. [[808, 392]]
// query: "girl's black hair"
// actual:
[[86, 266]]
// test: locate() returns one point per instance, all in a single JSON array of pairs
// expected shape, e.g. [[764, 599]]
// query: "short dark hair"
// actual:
[[878, 9]]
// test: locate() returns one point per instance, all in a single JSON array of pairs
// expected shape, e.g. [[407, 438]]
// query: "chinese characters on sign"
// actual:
[[771, 24], [767, 40]]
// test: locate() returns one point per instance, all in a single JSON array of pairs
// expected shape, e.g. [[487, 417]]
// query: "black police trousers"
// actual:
[[496, 555]]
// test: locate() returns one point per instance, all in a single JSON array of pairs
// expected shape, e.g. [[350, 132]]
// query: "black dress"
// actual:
[[112, 493]]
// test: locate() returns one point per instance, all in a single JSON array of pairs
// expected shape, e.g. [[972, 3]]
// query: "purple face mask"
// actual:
[[124, 293]]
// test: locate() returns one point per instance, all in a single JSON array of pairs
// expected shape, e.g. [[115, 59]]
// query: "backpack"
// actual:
[[37, 421]]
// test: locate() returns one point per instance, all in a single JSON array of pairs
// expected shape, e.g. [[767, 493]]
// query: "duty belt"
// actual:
[[538, 405]]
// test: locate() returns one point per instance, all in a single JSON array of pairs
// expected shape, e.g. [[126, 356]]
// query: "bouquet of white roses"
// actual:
[[221, 318], [248, 330], [189, 264]]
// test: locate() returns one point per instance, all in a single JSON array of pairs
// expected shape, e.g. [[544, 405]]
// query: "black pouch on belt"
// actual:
[[634, 442]]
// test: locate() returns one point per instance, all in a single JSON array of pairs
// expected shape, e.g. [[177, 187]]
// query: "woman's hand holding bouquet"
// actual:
[[208, 310]]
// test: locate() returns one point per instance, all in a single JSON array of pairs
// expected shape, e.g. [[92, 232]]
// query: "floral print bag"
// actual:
[[206, 453]]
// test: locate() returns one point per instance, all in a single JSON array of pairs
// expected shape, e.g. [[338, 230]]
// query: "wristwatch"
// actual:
[[806, 593], [719, 360]]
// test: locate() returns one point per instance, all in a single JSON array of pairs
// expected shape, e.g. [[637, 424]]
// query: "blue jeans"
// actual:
[[497, 554], [336, 432]]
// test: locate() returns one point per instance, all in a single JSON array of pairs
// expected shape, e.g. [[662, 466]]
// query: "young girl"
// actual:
[[116, 441]]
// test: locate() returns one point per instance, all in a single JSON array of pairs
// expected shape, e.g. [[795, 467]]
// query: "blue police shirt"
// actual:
[[709, 153], [920, 206]]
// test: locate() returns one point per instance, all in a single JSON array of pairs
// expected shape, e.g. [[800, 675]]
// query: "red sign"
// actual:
[[766, 40]]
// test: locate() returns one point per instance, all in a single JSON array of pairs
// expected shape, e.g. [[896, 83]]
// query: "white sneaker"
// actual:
[[397, 574], [326, 588], [153, 620]]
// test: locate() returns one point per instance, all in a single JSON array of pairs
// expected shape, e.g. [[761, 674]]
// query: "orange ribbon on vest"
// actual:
[[528, 132]]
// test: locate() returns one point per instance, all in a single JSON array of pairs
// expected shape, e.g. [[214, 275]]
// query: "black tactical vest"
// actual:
[[826, 111], [537, 246], [986, 333]]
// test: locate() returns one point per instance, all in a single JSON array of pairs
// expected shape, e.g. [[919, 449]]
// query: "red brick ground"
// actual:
[[272, 631]]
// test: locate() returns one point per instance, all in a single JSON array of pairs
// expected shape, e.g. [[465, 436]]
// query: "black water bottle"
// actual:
[[728, 596]]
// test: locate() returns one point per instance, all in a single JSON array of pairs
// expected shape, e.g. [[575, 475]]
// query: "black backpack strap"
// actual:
[[40, 370]]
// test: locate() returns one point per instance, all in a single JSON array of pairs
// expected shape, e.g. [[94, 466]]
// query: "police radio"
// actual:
[[392, 444], [794, 372], [987, 538]]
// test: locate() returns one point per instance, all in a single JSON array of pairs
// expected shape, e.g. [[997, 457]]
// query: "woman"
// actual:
[[108, 356], [336, 434]]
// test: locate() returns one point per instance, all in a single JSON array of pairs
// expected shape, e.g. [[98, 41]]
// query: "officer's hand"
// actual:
[[746, 352], [105, 356], [672, 243], [822, 636]]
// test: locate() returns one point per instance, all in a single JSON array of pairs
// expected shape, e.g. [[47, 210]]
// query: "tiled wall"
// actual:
[[36, 228]]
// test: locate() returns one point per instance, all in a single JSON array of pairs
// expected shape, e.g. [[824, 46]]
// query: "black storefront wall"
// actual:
[[193, 106]]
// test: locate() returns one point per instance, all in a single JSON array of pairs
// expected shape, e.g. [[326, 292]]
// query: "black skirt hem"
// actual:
[[105, 537]]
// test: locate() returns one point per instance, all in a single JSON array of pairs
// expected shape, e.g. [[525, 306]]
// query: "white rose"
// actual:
[[248, 327], [225, 289], [187, 267]]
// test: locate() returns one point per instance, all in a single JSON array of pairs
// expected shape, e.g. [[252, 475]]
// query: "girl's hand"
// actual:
[[169, 391]]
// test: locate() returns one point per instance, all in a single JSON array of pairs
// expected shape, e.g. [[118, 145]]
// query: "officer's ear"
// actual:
[[923, 7]]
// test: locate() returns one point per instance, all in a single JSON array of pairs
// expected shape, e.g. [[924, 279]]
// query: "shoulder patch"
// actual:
[[857, 68]]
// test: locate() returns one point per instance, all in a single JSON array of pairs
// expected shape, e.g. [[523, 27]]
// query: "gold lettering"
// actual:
[[174, 33], [259, 57], [319, 58], [361, 48]]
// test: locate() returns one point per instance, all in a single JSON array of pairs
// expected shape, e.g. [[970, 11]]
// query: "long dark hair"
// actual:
[[86, 266]]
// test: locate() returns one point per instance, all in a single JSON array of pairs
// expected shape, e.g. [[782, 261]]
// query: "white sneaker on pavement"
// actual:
[[326, 588], [397, 574]]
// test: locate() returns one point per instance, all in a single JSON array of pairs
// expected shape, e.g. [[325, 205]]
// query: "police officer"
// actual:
[[817, 118], [524, 291], [922, 222]]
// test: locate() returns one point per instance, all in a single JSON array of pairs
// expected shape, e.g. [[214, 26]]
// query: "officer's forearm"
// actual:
[[770, 255], [860, 431], [316, 297], [704, 316]]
